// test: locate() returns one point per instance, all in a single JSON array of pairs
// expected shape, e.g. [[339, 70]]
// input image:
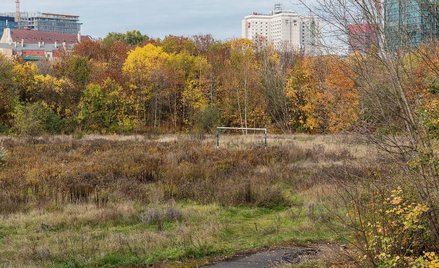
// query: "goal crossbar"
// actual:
[[218, 129]]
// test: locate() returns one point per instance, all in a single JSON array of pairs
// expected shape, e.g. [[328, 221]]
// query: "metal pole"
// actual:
[[217, 138], [266, 138], [218, 129]]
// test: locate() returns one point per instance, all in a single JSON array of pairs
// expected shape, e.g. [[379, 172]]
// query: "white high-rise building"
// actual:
[[284, 30]]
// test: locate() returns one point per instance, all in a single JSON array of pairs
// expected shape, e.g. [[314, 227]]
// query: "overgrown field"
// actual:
[[107, 203]]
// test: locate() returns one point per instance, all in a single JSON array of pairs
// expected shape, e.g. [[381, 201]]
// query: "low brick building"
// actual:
[[36, 45]]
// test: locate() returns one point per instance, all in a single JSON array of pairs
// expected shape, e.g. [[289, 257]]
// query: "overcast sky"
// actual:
[[156, 18]]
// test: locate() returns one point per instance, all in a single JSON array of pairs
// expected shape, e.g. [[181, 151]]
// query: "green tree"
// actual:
[[35, 119], [102, 109], [133, 38], [178, 44], [209, 119], [7, 95], [187, 80], [78, 70]]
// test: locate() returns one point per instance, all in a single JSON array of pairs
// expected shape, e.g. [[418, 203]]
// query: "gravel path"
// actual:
[[271, 258]]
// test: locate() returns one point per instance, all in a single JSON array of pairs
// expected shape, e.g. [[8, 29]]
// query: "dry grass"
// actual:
[[135, 200], [51, 173], [80, 232]]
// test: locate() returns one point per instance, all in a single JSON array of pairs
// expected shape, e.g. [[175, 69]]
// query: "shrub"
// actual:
[[53, 123], [151, 216], [3, 129], [391, 230], [28, 120], [36, 119], [159, 216], [428, 260], [103, 110], [209, 119]]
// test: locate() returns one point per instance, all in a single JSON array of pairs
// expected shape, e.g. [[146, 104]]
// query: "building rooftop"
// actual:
[[27, 15], [278, 10], [32, 37], [35, 47], [57, 16], [274, 13]]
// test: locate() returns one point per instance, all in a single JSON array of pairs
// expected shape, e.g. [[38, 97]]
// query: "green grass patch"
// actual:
[[205, 231]]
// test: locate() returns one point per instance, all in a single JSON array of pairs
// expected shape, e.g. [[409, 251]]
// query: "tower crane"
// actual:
[[17, 11]]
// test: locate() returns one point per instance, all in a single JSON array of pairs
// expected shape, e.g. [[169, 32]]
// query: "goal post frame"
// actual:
[[218, 129]]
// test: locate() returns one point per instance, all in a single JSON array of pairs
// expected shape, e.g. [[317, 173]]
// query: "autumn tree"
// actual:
[[102, 109], [273, 79], [117, 53], [342, 100], [105, 59], [24, 80], [297, 92], [75, 68], [322, 95], [7, 95], [145, 68], [203, 43], [178, 69], [133, 38], [243, 103], [392, 101], [56, 94], [177, 44], [91, 49]]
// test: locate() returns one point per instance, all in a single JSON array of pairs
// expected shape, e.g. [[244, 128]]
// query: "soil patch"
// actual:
[[279, 257]]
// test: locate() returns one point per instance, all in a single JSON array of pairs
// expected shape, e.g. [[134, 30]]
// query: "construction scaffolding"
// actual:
[[44, 22]]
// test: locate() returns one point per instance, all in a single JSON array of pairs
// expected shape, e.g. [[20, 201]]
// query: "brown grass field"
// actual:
[[134, 201]]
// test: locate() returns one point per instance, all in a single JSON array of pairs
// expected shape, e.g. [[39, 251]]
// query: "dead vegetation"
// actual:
[[114, 202], [52, 173]]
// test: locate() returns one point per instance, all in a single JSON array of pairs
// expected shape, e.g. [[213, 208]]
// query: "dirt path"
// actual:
[[278, 257]]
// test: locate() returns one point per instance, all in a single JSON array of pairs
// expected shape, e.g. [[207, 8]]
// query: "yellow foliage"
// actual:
[[144, 60], [144, 67], [50, 83], [24, 76], [241, 43], [240, 92], [322, 95], [392, 238], [429, 260], [194, 97]]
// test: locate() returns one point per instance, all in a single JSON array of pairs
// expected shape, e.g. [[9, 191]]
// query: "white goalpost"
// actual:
[[219, 129]]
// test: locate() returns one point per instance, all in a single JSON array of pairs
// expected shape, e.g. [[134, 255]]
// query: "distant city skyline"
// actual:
[[221, 18]]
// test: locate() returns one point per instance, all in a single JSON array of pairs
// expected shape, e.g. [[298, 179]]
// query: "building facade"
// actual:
[[284, 30], [36, 45], [7, 22], [34, 52], [408, 23], [55, 23], [48, 22], [362, 37]]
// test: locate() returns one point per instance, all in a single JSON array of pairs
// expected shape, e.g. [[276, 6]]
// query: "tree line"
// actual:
[[130, 83]]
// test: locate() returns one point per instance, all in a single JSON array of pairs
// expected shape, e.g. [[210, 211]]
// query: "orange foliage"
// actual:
[[322, 92]]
